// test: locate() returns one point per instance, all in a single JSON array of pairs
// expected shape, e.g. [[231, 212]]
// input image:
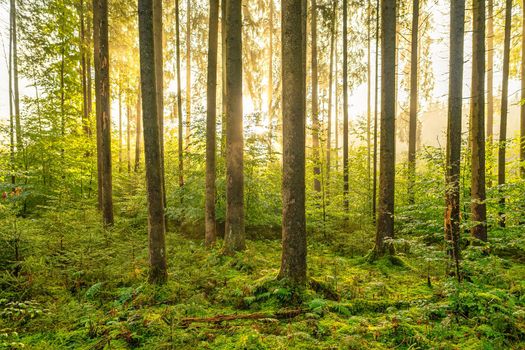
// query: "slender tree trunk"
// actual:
[[376, 104], [293, 19], [345, 107], [223, 78], [502, 146], [211, 123], [385, 219], [119, 127], [188, 73], [522, 112], [11, 107], [100, 25], [330, 99], [412, 134], [156, 229], [455, 107], [490, 71], [83, 68], [368, 100], [270, 78], [234, 235], [18, 126], [477, 123], [128, 134], [179, 96], [138, 131], [88, 71], [315, 101]]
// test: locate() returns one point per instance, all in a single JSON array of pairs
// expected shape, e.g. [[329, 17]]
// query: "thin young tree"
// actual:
[[315, 100], [138, 130], [11, 108], [103, 107], [455, 106], [502, 145], [156, 229], [270, 76], [477, 123], [188, 73], [293, 19], [522, 111], [211, 122], [330, 96], [179, 96], [345, 106], [16, 90], [387, 155], [234, 236], [368, 98], [376, 103], [490, 71], [412, 134]]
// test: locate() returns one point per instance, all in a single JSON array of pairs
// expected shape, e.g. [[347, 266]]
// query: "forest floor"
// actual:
[[81, 287]]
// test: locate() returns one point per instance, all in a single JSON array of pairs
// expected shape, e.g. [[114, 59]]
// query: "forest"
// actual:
[[262, 174]]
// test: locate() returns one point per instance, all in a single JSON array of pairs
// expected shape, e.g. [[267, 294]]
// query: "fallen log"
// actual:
[[280, 315]]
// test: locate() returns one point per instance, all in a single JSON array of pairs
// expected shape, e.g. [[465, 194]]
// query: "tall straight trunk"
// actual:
[[477, 123], [368, 99], [18, 126], [119, 128], [128, 134], [83, 69], [412, 133], [211, 123], [330, 98], [158, 32], [502, 146], [293, 19], [223, 77], [387, 156], [156, 229], [522, 111], [89, 83], [138, 131], [100, 25], [234, 234], [11, 108], [188, 72], [270, 78], [345, 106], [179, 96], [315, 101], [455, 106], [376, 104], [490, 71]]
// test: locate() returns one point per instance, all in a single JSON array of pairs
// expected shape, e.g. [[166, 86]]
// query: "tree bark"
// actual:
[[477, 123], [211, 122], [376, 104], [502, 146], [234, 235], [368, 100], [412, 134], [119, 127], [11, 107], [179, 97], [293, 19], [315, 101], [385, 219], [156, 229], [490, 71], [188, 73], [455, 107], [330, 97], [14, 36], [345, 108], [128, 134], [522, 111], [138, 131], [100, 25], [270, 78]]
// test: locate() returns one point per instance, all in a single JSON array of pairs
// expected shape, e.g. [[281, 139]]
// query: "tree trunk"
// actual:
[[156, 229], [138, 131], [179, 96], [223, 77], [234, 235], [270, 78], [477, 123], [293, 263], [188, 73], [385, 219], [330, 98], [18, 126], [412, 134], [455, 107], [211, 123], [83, 69], [119, 127], [11, 107], [128, 134], [490, 71], [376, 104], [368, 99], [315, 101], [100, 25], [502, 146], [522, 112], [345, 108]]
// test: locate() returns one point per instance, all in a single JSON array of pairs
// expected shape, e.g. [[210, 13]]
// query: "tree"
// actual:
[[270, 77], [234, 235], [385, 218], [138, 131], [490, 71], [16, 91], [211, 122], [522, 112], [455, 106], [330, 94], [345, 106], [412, 134], [103, 107], [315, 100], [477, 123], [376, 97], [156, 229], [293, 19], [502, 145], [188, 72], [179, 96]]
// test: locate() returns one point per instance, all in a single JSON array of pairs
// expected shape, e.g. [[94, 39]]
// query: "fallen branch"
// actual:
[[280, 315]]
